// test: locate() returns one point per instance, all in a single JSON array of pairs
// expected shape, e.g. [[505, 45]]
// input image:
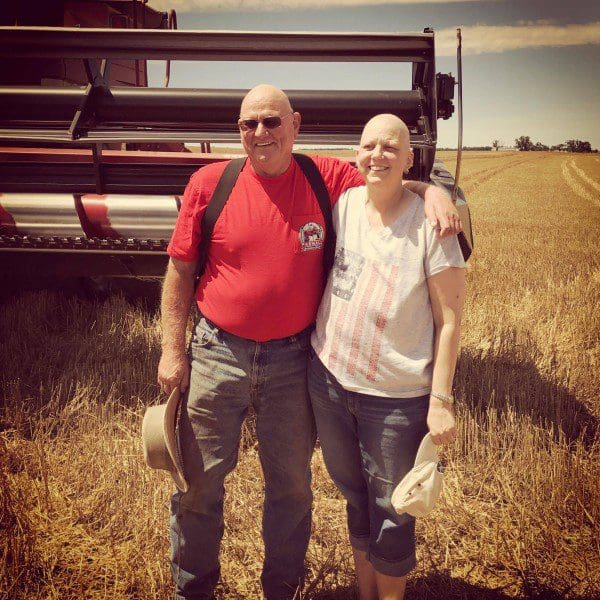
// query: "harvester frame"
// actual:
[[118, 206]]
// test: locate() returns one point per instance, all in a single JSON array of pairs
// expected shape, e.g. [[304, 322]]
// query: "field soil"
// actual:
[[82, 517]]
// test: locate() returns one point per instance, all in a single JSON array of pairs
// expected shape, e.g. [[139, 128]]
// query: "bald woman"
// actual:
[[384, 352]]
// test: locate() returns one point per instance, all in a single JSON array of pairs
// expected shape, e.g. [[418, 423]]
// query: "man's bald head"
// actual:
[[263, 95], [269, 147]]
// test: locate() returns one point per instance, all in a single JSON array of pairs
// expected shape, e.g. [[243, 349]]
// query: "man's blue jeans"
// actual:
[[228, 375]]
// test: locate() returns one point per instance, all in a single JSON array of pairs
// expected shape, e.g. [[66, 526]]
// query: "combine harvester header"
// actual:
[[76, 200]]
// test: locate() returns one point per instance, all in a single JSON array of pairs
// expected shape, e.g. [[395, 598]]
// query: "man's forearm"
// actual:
[[424, 189], [418, 187], [177, 295], [439, 208]]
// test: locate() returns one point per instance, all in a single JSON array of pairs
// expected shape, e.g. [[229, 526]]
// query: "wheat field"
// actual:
[[82, 517]]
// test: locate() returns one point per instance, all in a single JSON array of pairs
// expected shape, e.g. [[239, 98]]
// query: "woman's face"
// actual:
[[384, 153]]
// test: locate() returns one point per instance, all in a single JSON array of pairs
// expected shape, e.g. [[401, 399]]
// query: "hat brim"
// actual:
[[155, 450], [159, 439], [170, 427]]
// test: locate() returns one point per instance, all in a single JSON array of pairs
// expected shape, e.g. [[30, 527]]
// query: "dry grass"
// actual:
[[81, 517]]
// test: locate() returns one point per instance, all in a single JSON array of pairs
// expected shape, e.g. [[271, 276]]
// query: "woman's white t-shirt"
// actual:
[[375, 329]]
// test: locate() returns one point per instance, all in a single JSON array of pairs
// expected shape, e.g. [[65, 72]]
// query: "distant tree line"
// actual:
[[525, 144]]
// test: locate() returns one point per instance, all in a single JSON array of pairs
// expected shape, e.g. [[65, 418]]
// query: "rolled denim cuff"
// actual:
[[360, 542], [396, 568]]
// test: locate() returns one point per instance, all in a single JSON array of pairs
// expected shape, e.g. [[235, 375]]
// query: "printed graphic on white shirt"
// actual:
[[368, 288], [346, 269]]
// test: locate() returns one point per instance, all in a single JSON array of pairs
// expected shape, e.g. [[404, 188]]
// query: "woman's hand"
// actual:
[[440, 420]]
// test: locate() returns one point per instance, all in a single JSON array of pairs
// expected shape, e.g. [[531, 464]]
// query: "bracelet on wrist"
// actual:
[[449, 398]]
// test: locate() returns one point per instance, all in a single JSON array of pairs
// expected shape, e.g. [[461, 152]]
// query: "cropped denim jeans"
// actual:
[[228, 375], [369, 443]]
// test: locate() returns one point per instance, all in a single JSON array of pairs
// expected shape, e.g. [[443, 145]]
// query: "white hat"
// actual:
[[159, 439], [420, 488]]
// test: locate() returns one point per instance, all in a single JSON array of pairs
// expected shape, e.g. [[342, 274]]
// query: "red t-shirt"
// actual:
[[263, 276]]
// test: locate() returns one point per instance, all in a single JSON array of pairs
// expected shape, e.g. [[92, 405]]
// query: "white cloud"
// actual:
[[266, 5], [480, 39], [477, 39]]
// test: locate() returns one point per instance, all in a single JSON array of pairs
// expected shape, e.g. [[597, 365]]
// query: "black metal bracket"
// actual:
[[445, 94], [426, 129], [97, 85]]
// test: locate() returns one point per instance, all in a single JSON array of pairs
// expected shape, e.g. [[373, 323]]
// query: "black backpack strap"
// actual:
[[215, 208], [224, 188], [314, 177]]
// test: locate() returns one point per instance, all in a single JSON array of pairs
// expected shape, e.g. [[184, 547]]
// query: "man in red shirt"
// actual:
[[258, 297]]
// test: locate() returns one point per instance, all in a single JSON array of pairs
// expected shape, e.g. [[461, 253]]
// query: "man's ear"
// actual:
[[409, 161], [297, 120]]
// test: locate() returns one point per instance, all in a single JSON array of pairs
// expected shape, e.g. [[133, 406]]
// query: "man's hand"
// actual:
[[441, 212], [440, 420], [173, 371], [439, 208]]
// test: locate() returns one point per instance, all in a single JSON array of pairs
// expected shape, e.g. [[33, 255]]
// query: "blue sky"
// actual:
[[530, 67]]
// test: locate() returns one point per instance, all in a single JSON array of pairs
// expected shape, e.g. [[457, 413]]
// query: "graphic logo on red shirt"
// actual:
[[311, 236]]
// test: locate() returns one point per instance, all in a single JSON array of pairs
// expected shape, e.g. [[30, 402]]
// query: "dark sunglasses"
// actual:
[[268, 122]]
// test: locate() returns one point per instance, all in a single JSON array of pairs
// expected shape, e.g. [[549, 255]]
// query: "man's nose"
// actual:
[[378, 150], [261, 129]]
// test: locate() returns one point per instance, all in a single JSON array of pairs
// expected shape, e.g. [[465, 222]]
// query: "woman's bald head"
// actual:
[[389, 124]]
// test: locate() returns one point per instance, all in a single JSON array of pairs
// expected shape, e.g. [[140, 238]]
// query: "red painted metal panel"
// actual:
[[97, 220], [7, 223]]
